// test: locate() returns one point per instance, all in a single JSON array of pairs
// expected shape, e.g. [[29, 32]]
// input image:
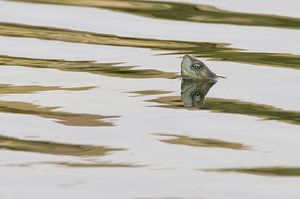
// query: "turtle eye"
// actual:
[[197, 66], [197, 96]]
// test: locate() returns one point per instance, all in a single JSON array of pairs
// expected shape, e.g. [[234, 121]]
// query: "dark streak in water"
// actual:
[[184, 12], [150, 92], [169, 198], [235, 107], [108, 69], [53, 148], [96, 165], [66, 118], [202, 142], [78, 164], [264, 171], [12, 89], [216, 51]]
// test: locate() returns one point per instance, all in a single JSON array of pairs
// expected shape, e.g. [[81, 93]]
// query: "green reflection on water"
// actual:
[[215, 51], [184, 12], [53, 148], [81, 164], [202, 142], [66, 118], [265, 171], [149, 92], [235, 107], [72, 119], [11, 89], [95, 164], [108, 69]]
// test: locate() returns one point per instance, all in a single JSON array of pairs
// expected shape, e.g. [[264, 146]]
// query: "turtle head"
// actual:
[[194, 69]]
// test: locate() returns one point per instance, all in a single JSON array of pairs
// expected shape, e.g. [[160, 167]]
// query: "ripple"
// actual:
[[12, 89], [53, 148], [202, 142], [235, 107], [66, 118], [150, 92], [107, 69], [264, 171], [215, 51], [184, 12]]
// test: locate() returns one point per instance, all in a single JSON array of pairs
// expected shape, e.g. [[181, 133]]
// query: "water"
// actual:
[[91, 104]]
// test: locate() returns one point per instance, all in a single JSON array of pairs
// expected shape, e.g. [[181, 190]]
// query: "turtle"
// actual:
[[194, 69]]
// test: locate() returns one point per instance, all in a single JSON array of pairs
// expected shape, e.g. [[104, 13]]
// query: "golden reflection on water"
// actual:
[[71, 119], [53, 148], [107, 69], [201, 142], [66, 118], [95, 165], [12, 89], [81, 164], [170, 197], [263, 171], [150, 92], [215, 51], [184, 12], [221, 105]]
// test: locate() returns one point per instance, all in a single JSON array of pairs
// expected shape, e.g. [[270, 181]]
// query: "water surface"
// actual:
[[92, 103]]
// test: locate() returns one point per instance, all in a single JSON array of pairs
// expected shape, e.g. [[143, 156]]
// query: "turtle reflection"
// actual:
[[194, 92]]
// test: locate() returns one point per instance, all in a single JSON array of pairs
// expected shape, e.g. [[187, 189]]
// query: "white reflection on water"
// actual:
[[81, 18], [167, 170]]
